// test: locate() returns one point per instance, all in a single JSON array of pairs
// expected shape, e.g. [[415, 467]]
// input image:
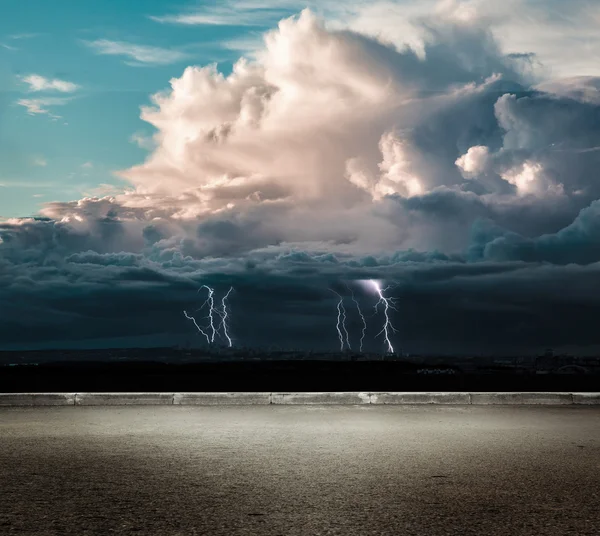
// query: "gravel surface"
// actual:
[[404, 470]]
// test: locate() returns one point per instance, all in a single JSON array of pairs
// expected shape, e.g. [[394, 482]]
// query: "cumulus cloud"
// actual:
[[332, 156], [311, 94], [474, 161]]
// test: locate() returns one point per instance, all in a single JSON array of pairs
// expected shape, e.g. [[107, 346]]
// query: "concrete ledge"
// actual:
[[123, 399], [588, 399], [37, 399], [320, 398], [526, 399], [221, 399], [420, 398]]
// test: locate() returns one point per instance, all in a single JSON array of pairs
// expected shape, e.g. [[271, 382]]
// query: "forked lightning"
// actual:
[[221, 311], [341, 323], [388, 303]]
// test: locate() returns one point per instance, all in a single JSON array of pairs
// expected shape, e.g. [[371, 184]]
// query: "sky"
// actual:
[[448, 149]]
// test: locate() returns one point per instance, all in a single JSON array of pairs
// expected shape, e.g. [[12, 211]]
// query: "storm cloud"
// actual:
[[450, 171]]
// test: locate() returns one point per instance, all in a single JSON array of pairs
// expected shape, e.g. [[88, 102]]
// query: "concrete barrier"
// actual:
[[123, 399], [420, 398], [527, 399], [221, 399], [587, 399], [321, 398], [37, 399]]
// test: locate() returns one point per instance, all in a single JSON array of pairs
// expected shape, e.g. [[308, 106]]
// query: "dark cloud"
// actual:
[[578, 243], [443, 304]]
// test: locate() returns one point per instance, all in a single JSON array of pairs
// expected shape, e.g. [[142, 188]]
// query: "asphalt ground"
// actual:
[[300, 470]]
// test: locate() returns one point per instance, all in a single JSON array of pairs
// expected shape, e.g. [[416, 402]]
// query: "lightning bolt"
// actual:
[[388, 303], [197, 326], [211, 309], [212, 329], [222, 312], [362, 317], [341, 321]]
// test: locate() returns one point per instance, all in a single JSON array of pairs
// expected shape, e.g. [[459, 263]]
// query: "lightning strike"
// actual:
[[223, 314], [211, 310], [211, 331], [388, 303], [341, 322], [197, 326], [362, 317]]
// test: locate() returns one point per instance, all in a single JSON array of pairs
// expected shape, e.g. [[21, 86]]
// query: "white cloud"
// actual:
[[232, 13], [39, 161], [102, 190], [40, 106], [224, 18], [529, 178], [87, 165], [313, 101], [474, 161], [140, 54], [525, 178], [394, 176], [40, 83], [318, 127], [248, 45]]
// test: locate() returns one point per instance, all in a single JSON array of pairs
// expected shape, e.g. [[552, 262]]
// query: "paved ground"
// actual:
[[403, 470]]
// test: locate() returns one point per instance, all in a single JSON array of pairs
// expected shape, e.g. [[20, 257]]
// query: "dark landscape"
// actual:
[[173, 369]]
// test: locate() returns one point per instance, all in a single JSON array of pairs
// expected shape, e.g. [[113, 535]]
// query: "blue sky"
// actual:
[[75, 141]]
